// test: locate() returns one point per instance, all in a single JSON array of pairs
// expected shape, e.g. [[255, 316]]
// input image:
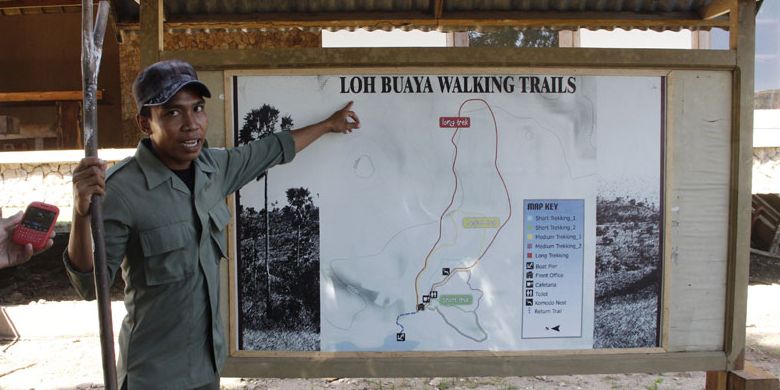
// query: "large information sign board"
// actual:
[[501, 212]]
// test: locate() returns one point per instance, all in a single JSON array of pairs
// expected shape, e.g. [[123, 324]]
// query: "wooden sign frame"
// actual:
[[738, 63], [719, 78]]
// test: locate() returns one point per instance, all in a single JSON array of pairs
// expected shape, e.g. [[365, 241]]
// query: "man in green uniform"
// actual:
[[165, 215]]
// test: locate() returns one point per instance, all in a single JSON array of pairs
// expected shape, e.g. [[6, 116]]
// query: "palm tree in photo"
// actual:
[[301, 202], [260, 123]]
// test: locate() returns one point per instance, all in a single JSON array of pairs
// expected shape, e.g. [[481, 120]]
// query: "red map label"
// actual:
[[451, 122]]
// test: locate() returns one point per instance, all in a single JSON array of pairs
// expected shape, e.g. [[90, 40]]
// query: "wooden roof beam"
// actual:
[[438, 8], [40, 3], [452, 19], [717, 8], [151, 42], [45, 96], [442, 56]]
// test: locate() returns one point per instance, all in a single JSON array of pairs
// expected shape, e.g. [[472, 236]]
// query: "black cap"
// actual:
[[158, 83]]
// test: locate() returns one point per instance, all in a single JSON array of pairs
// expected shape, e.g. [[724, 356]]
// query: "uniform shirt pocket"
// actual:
[[219, 216], [167, 255]]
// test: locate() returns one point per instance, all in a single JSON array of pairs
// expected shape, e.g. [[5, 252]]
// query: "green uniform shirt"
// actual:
[[172, 336]]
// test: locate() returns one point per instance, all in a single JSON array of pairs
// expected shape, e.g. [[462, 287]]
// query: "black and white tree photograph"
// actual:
[[628, 272], [629, 223], [278, 254]]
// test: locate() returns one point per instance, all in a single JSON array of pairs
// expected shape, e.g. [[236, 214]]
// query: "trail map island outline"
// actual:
[[420, 212]]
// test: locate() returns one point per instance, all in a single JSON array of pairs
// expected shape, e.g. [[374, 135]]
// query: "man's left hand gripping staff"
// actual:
[[89, 178]]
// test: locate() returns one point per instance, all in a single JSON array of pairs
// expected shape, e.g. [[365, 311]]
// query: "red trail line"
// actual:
[[452, 200]]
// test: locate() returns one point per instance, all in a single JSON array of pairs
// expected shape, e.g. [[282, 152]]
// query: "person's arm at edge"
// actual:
[[341, 121], [88, 179]]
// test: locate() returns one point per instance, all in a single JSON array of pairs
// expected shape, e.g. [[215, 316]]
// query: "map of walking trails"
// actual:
[[469, 212]]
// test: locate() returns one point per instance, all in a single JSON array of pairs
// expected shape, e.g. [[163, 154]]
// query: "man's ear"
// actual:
[[143, 123]]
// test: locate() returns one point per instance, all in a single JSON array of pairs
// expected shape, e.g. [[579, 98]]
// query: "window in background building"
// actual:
[[514, 38]]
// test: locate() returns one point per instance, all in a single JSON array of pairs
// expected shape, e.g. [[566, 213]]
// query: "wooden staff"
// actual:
[[91, 53]]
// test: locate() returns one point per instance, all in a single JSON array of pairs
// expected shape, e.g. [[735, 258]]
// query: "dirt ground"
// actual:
[[54, 355]]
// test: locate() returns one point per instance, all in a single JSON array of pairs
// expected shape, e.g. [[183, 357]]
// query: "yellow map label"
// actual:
[[481, 222]]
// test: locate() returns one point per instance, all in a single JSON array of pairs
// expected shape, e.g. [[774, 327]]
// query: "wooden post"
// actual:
[[151, 25], [751, 378], [69, 132], [741, 169], [742, 39], [91, 53], [716, 380], [734, 23]]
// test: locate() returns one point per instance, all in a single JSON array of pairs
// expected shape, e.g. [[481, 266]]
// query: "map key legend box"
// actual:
[[554, 261]]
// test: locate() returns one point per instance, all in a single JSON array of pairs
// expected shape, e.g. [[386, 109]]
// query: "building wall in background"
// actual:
[[44, 176], [766, 170], [129, 57], [43, 53]]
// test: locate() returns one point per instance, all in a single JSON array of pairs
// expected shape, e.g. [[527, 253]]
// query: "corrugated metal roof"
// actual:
[[194, 7], [420, 14], [431, 14]]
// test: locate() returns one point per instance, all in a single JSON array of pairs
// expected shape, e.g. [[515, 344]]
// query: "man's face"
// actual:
[[177, 128]]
